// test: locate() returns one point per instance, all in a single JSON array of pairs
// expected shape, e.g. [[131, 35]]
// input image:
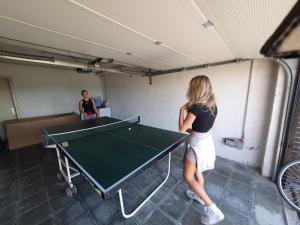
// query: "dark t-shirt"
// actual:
[[88, 106], [204, 118]]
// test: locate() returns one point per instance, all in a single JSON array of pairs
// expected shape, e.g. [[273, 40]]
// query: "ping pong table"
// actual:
[[109, 152]]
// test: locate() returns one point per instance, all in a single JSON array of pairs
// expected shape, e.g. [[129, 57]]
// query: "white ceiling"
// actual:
[[111, 28]]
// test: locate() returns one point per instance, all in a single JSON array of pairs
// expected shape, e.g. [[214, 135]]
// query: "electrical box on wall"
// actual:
[[237, 143]]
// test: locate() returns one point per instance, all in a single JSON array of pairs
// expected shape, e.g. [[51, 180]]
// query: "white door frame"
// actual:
[[10, 80]]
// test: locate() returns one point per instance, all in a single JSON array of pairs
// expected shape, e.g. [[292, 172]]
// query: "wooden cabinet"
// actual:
[[24, 132]]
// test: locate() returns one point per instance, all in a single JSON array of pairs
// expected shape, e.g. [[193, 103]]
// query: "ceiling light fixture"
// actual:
[[207, 24]]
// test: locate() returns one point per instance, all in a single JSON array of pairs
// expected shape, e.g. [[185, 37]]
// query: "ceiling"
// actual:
[[128, 30]]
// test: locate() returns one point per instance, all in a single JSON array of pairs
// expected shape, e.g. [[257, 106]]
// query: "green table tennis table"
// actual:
[[109, 152]]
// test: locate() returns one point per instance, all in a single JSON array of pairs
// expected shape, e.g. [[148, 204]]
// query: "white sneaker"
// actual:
[[192, 195], [212, 215]]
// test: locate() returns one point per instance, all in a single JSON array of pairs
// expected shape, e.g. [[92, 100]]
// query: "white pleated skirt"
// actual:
[[201, 151]]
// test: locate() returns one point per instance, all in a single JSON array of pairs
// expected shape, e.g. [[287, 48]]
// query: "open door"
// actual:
[[7, 108]]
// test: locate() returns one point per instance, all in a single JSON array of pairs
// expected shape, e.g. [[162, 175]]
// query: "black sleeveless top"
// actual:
[[204, 118], [88, 106]]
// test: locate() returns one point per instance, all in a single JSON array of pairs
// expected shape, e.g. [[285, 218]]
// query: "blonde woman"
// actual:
[[201, 112]]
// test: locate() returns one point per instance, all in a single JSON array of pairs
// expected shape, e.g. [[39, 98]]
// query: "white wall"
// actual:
[[158, 104], [45, 91]]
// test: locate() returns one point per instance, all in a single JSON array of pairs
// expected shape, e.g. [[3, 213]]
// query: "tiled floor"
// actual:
[[31, 194]]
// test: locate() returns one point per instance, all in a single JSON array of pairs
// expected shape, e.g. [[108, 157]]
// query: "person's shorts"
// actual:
[[201, 151], [90, 117]]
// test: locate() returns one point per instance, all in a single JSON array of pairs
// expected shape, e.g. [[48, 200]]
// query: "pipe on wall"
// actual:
[[163, 72], [284, 121], [64, 64]]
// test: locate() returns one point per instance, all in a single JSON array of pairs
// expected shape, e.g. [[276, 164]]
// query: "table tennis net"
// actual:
[[59, 138]]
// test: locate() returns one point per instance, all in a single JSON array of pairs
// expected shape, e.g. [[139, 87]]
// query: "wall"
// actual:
[[45, 91], [158, 104]]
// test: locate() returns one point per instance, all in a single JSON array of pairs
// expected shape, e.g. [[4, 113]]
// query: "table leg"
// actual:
[[143, 203], [65, 172]]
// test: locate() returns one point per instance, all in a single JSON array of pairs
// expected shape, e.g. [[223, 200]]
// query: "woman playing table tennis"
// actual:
[[201, 113], [88, 107]]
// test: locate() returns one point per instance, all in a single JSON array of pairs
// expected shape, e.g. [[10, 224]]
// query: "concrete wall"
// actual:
[[158, 104], [45, 91]]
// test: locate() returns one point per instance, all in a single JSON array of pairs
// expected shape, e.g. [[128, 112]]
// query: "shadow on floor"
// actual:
[[31, 194]]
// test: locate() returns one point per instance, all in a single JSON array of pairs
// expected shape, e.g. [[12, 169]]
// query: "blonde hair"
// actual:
[[200, 92]]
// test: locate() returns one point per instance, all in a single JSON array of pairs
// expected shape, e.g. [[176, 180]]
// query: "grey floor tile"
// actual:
[[71, 213], [174, 206], [162, 164], [92, 199], [31, 202], [11, 172], [241, 205], [160, 195], [244, 168], [7, 222], [267, 209], [133, 203], [175, 158], [9, 197], [179, 151], [106, 211], [152, 173], [7, 213], [122, 221], [191, 217], [61, 202], [196, 205], [232, 217], [171, 182], [223, 166], [84, 188], [214, 191], [84, 219], [242, 189], [50, 221], [29, 171], [215, 185], [7, 181], [141, 182], [7, 192], [267, 216], [217, 179], [56, 190], [176, 171], [240, 176], [35, 215], [32, 189], [131, 198], [145, 212], [180, 190], [159, 218], [30, 180]]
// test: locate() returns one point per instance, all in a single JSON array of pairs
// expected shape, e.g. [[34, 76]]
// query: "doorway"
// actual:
[[7, 107]]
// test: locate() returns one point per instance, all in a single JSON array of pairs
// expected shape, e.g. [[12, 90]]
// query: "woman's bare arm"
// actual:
[[187, 123], [80, 107], [95, 108]]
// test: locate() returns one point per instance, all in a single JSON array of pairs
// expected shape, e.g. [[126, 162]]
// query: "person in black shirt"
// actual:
[[201, 111], [88, 106]]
